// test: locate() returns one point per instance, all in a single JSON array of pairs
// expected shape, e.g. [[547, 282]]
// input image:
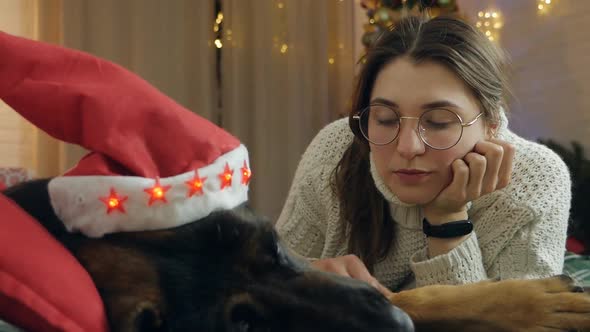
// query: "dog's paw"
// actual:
[[561, 283], [551, 304]]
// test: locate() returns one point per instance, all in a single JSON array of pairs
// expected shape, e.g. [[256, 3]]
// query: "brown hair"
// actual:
[[446, 40]]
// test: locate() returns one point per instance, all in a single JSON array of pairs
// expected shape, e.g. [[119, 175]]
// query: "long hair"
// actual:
[[445, 40]]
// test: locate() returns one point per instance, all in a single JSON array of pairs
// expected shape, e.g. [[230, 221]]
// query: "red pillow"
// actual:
[[42, 286]]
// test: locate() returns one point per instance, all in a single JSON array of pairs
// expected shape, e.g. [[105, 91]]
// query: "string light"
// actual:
[[114, 201], [157, 192], [544, 6], [490, 23], [195, 185], [217, 29], [226, 177], [246, 173], [284, 48]]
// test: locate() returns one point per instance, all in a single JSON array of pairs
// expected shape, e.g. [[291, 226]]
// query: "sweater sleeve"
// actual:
[[520, 232], [302, 223], [463, 264]]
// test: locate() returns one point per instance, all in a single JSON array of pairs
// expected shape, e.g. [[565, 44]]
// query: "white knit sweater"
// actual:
[[519, 232]]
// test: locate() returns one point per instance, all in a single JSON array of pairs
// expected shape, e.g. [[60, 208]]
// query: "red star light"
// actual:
[[157, 192], [196, 185], [226, 176], [114, 201], [246, 174]]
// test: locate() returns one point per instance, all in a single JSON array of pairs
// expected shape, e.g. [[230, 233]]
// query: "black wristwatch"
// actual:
[[447, 230]]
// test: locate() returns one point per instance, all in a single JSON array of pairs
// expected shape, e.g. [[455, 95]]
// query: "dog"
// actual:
[[230, 272]]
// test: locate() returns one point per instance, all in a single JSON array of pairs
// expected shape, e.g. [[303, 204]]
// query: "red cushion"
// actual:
[[574, 245], [42, 286]]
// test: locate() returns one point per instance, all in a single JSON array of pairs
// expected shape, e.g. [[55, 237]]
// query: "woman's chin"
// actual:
[[412, 201], [413, 198]]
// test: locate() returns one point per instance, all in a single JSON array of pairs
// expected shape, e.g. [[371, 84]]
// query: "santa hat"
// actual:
[[153, 164]]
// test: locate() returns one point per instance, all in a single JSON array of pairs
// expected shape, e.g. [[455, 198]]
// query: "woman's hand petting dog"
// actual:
[[484, 170], [350, 266]]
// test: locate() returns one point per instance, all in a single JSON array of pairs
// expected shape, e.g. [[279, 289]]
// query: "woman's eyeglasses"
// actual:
[[439, 128]]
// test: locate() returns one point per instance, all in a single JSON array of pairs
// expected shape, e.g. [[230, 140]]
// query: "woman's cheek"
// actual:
[[445, 162], [381, 159]]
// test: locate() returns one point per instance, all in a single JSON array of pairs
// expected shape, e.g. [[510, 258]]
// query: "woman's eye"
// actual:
[[437, 125], [388, 122]]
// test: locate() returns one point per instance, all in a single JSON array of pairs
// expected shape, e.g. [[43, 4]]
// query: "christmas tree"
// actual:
[[383, 14]]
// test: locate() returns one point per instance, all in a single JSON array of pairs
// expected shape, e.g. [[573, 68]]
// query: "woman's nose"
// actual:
[[409, 143]]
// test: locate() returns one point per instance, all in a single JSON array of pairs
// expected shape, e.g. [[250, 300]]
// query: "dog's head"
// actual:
[[229, 272], [226, 272]]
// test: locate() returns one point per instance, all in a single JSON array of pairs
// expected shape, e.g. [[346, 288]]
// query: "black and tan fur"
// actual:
[[230, 272]]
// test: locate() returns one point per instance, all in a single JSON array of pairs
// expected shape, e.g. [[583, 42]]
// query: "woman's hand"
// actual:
[[484, 170], [350, 266]]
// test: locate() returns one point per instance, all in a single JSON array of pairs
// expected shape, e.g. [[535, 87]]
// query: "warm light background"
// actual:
[[287, 69]]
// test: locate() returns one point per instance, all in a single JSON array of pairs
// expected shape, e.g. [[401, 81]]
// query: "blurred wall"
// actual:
[[550, 54]]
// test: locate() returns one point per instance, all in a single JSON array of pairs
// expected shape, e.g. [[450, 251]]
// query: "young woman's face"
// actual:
[[413, 89]]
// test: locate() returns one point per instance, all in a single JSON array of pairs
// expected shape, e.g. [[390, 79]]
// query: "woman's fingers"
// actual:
[[350, 266], [494, 154], [505, 171], [332, 265], [456, 192], [477, 164]]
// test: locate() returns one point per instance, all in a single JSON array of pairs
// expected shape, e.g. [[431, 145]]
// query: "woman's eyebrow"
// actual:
[[384, 101], [439, 104], [427, 106]]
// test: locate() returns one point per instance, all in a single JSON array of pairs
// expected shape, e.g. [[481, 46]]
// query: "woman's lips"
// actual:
[[411, 176]]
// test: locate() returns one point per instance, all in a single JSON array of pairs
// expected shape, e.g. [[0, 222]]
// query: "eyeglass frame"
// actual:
[[358, 115]]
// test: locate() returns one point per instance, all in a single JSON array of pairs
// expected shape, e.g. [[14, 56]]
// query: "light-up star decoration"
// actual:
[[226, 176], [246, 174], [114, 201], [157, 192], [195, 185]]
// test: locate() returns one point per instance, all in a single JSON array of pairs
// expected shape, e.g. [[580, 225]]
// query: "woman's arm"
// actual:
[[520, 232]]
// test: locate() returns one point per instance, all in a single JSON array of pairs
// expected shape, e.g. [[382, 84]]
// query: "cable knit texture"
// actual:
[[519, 231]]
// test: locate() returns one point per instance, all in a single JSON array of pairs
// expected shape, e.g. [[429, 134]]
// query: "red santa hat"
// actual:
[[153, 164]]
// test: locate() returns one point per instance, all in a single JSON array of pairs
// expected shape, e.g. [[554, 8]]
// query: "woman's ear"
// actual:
[[491, 130]]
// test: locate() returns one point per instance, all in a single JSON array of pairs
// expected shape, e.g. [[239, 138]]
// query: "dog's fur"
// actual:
[[229, 272]]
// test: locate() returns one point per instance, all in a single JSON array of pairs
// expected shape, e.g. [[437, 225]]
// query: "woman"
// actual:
[[424, 182]]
